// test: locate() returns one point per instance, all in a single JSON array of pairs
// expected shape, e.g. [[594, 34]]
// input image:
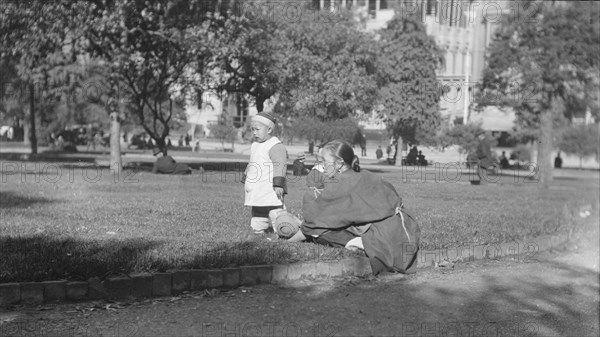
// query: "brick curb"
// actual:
[[519, 251], [173, 282]]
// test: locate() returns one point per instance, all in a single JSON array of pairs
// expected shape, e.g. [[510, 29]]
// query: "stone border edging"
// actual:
[[174, 282]]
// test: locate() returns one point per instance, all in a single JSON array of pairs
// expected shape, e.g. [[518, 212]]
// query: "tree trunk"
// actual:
[[260, 104], [25, 140], [115, 143], [544, 160], [399, 145], [161, 144], [32, 135]]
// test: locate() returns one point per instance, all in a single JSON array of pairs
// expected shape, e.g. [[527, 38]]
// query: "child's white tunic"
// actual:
[[259, 175]]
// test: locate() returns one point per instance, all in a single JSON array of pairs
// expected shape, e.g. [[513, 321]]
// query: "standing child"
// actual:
[[264, 178]]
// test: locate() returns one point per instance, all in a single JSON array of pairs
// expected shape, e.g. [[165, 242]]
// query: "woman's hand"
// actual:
[[297, 237], [316, 191]]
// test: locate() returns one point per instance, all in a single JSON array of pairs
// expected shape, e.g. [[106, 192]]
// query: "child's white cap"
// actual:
[[264, 118]]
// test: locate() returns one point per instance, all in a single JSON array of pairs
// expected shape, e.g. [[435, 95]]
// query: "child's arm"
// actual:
[[279, 159]]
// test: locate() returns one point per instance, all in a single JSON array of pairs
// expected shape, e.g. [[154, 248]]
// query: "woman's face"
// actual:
[[331, 165]]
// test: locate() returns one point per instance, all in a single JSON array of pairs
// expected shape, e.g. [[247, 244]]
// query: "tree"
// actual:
[[466, 137], [10, 93], [225, 132], [157, 50], [326, 67], [41, 38], [246, 55], [582, 141], [407, 65], [545, 66], [317, 131]]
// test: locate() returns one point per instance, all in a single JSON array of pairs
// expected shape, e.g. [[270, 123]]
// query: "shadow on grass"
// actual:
[[232, 254], [41, 258], [10, 199], [48, 156], [208, 166]]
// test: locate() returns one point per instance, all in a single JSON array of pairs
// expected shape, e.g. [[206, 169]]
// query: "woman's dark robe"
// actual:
[[355, 199]]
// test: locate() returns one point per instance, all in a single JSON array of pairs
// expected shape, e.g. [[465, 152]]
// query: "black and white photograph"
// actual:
[[307, 168]]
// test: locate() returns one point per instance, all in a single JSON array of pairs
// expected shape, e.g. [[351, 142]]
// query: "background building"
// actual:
[[463, 29]]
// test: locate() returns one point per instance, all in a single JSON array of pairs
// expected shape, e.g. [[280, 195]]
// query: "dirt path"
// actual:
[[555, 295]]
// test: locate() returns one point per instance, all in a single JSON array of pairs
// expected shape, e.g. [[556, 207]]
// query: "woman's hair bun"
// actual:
[[355, 164]]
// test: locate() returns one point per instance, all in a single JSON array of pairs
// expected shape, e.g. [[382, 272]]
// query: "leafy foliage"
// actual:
[[581, 140], [521, 153], [315, 130], [466, 137], [42, 39], [407, 78], [326, 67], [156, 50], [546, 67], [247, 57], [223, 132]]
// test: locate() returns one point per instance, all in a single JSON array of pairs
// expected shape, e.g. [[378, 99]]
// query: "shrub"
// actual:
[[521, 153]]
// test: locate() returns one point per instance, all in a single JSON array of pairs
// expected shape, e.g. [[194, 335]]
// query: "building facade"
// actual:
[[463, 30]]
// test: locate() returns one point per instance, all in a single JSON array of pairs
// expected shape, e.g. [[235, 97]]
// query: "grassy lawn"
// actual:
[[72, 224]]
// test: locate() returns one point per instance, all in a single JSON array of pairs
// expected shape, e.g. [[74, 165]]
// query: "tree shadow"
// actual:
[[234, 254], [9, 199], [41, 258], [48, 156], [464, 304]]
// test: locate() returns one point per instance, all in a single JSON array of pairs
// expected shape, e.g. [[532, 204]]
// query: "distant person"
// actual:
[[10, 133], [52, 140], [60, 142], [298, 166], [90, 140], [558, 161], [81, 136], [484, 151], [421, 159], [149, 143], [169, 144], [391, 153], [484, 155], [363, 146], [187, 139], [99, 138], [180, 141], [168, 165], [264, 177], [504, 161], [379, 152], [412, 156], [196, 147]]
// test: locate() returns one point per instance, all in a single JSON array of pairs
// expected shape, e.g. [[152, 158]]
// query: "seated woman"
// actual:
[[345, 207]]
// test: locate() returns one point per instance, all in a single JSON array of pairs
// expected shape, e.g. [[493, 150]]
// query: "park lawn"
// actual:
[[73, 224]]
